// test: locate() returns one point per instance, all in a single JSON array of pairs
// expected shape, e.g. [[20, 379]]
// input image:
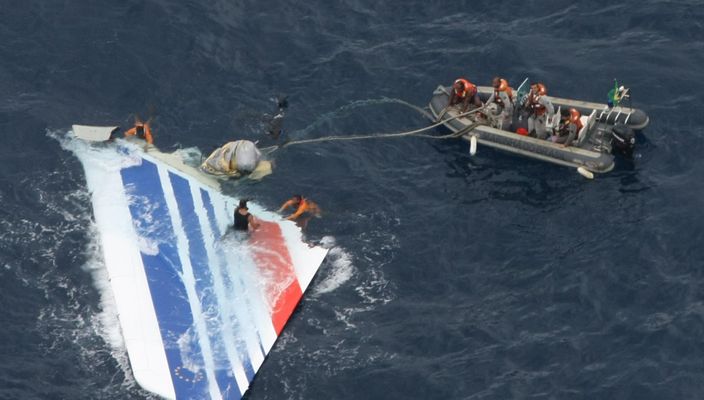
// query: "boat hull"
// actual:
[[594, 154]]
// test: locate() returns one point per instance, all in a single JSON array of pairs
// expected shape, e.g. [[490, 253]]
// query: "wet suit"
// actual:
[[242, 220]]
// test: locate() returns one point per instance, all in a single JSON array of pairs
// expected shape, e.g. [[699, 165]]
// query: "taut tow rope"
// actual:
[[416, 132]]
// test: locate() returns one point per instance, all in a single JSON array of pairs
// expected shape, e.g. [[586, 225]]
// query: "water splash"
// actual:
[[342, 269]]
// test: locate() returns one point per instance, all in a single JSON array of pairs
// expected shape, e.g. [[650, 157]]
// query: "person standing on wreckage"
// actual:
[[540, 110]]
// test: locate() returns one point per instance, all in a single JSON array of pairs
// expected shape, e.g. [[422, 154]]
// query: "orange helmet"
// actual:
[[574, 115], [540, 89]]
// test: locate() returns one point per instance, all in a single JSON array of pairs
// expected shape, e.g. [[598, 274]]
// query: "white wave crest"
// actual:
[[342, 268]]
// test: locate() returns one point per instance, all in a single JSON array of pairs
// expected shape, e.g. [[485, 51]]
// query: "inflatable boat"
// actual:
[[605, 131]]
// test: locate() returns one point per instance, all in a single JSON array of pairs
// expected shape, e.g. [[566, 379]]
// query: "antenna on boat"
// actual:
[[521, 94]]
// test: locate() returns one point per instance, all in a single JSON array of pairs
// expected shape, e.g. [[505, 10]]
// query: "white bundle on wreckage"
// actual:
[[235, 159]]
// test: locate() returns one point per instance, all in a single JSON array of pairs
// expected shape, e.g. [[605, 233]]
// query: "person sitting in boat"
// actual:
[[301, 205], [464, 92], [569, 128], [503, 98], [243, 219], [141, 130], [540, 110]]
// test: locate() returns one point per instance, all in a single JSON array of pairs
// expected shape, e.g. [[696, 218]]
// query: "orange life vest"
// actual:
[[468, 89], [142, 131], [579, 126], [533, 102], [503, 87], [574, 120], [302, 206]]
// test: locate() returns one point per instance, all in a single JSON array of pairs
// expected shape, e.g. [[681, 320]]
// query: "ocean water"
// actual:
[[449, 276]]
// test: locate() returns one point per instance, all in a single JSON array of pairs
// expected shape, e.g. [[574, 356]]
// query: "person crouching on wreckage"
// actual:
[[236, 159]]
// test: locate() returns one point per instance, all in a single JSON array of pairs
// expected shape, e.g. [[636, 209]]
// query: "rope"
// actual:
[[415, 132], [359, 104], [454, 135]]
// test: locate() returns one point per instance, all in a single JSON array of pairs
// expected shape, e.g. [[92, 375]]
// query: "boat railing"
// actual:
[[619, 110]]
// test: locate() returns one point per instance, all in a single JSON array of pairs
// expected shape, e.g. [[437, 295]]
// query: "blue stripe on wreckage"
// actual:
[[249, 370], [204, 282], [151, 219]]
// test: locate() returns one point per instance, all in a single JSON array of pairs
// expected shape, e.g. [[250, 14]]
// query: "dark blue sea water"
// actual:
[[451, 277]]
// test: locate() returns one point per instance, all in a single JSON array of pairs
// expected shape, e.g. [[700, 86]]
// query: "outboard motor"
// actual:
[[623, 139]]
